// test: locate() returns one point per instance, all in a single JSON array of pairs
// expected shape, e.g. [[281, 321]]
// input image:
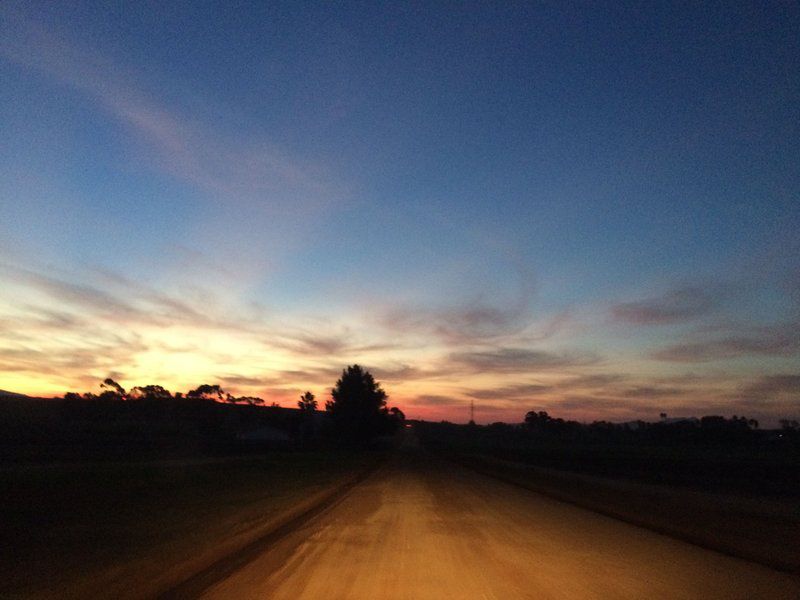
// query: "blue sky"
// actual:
[[571, 189]]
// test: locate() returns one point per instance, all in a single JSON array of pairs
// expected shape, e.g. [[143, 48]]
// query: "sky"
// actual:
[[585, 208]]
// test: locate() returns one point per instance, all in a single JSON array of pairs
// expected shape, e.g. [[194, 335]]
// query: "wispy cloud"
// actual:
[[774, 387], [233, 167], [106, 322], [434, 400], [518, 360], [649, 391], [520, 391], [676, 306], [457, 324], [774, 340], [121, 300]]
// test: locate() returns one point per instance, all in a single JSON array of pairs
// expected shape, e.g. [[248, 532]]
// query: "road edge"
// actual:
[[784, 567], [260, 540]]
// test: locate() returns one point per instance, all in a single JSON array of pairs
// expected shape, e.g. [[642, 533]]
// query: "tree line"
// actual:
[[357, 409]]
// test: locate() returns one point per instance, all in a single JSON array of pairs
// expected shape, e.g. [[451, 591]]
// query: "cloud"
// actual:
[[772, 387], [104, 353], [402, 372], [323, 376], [69, 331], [232, 166], [69, 292], [454, 325], [300, 341], [122, 301], [774, 340], [517, 360], [434, 400], [677, 306], [590, 402], [647, 391], [241, 380], [596, 380], [469, 322], [511, 392], [606, 386]]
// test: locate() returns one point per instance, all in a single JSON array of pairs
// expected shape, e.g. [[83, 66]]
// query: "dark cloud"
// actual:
[[598, 380], [511, 392], [646, 391], [455, 325], [590, 402], [778, 340], [516, 360], [245, 381], [434, 400], [399, 373], [99, 355], [326, 376], [70, 293], [684, 304], [131, 303], [465, 323], [773, 386], [308, 343], [608, 385]]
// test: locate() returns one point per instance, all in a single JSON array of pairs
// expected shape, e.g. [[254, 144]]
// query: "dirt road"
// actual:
[[420, 529]]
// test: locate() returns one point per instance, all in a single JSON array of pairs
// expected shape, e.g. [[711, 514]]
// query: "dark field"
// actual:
[[84, 530], [133, 498], [37, 430], [104, 498], [738, 496], [757, 463]]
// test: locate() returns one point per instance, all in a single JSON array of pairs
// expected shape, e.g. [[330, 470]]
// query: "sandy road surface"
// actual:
[[420, 528]]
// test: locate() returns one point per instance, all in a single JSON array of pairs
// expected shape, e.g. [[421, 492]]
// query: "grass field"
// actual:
[[126, 529]]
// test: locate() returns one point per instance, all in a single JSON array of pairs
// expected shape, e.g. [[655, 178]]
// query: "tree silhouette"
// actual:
[[249, 400], [358, 405], [537, 420], [307, 403], [112, 386], [150, 392], [207, 392]]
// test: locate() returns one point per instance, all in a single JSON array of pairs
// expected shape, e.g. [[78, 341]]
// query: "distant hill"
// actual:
[[7, 394]]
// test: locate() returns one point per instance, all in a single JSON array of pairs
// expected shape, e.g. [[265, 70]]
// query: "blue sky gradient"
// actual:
[[466, 198]]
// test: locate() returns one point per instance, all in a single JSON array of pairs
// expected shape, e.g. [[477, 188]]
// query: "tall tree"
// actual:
[[358, 405]]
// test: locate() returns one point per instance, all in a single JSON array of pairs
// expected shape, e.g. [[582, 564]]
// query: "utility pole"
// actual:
[[472, 412]]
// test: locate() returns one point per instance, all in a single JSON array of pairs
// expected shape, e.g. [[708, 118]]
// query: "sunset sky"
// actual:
[[553, 206]]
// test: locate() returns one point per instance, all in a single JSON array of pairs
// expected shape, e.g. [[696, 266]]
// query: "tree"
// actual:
[[150, 392], [207, 392], [248, 400], [307, 403], [113, 387], [537, 420], [358, 405]]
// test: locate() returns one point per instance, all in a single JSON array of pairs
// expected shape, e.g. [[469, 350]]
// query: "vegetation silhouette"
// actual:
[[307, 403], [358, 408], [711, 453], [150, 421]]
